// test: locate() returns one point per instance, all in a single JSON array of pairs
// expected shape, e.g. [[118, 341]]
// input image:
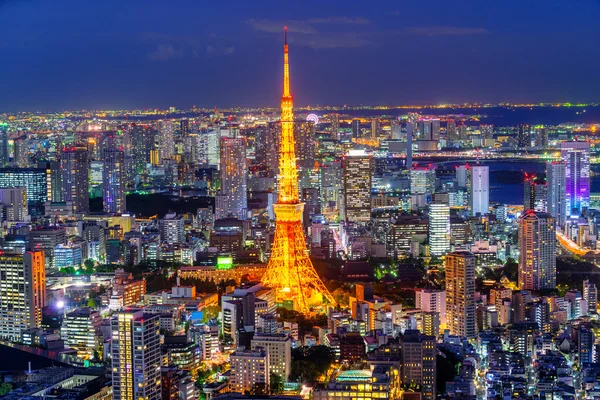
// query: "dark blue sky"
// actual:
[[75, 54]]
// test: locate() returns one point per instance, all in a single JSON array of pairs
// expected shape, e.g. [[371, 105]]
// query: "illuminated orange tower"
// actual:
[[290, 271]]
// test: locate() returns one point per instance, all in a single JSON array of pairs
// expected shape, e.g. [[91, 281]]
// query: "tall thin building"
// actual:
[[355, 128], [357, 186], [374, 127], [576, 156], [4, 155], [304, 134], [535, 194], [233, 197], [419, 362], [113, 181], [524, 136], [335, 126], [557, 194], [289, 271], [537, 251], [460, 293], [480, 190], [395, 129], [166, 139], [590, 295], [22, 292], [439, 229], [74, 168], [136, 355]]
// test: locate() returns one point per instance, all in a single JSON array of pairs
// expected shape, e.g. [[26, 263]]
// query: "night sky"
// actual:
[[82, 54]]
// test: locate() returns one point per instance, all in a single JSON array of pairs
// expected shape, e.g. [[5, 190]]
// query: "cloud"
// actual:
[[164, 52], [447, 31], [307, 34]]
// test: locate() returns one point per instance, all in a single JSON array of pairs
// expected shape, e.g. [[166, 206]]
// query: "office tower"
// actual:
[[46, 239], [557, 194], [184, 126], [524, 136], [290, 272], [54, 179], [33, 179], [80, 330], [418, 364], [576, 157], [233, 197], [335, 126], [424, 127], [451, 132], [166, 139], [113, 181], [74, 167], [590, 295], [535, 194], [439, 229], [21, 152], [462, 131], [14, 204], [136, 355], [375, 127], [432, 300], [265, 142], [172, 229], [249, 369], [395, 129], [403, 232], [306, 144], [355, 128], [4, 154], [357, 186], [586, 345], [480, 190], [68, 255], [142, 142], [435, 129], [22, 292], [537, 251], [422, 180], [279, 352], [460, 293]]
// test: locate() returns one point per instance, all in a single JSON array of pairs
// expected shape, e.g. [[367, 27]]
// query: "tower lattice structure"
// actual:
[[290, 271]]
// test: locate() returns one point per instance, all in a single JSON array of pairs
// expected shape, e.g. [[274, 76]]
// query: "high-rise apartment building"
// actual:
[[439, 229], [166, 139], [172, 229], [460, 294], [419, 362], [537, 251], [136, 355], [375, 126], [14, 204], [576, 157], [113, 181], [357, 186], [304, 134], [74, 168], [356, 133], [279, 352], [22, 292], [557, 194], [249, 368], [590, 295], [432, 300], [480, 190], [535, 194], [232, 200], [80, 330]]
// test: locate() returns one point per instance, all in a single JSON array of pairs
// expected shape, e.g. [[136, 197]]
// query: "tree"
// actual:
[[275, 384], [91, 303], [5, 388], [210, 312], [258, 389]]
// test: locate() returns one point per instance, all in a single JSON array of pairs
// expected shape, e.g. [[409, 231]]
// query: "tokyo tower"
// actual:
[[290, 271]]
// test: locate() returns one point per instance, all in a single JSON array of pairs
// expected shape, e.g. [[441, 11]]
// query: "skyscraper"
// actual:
[[22, 292], [74, 168], [480, 190], [537, 251], [439, 229], [335, 126], [304, 134], [136, 355], [557, 194], [289, 271], [590, 295], [536, 194], [374, 127], [355, 128], [4, 156], [422, 180], [576, 156], [395, 129], [233, 197], [166, 139], [524, 136], [419, 362], [113, 181], [460, 293], [357, 186]]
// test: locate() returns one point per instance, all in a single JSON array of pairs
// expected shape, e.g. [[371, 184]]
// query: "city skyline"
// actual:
[[152, 56]]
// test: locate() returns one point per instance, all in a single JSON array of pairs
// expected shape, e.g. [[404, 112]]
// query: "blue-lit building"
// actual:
[[68, 255], [35, 182]]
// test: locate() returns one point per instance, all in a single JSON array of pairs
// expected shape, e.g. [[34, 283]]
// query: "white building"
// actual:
[[439, 229], [80, 330], [249, 368], [279, 352], [480, 190], [432, 300]]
